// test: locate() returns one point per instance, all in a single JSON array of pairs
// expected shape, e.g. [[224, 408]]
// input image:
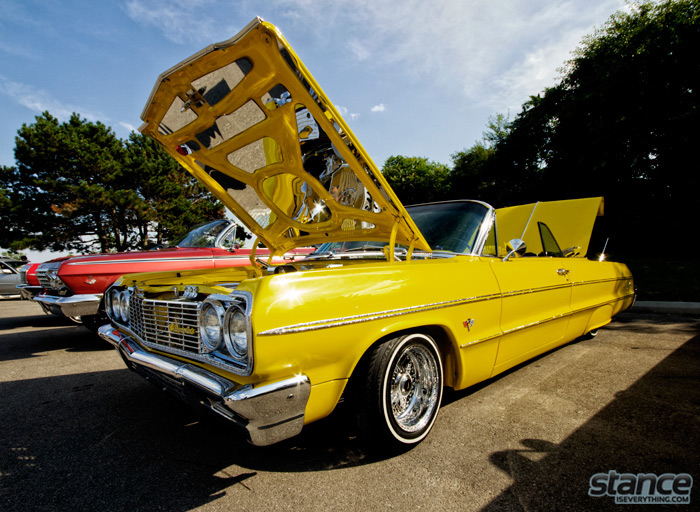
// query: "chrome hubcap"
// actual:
[[414, 389]]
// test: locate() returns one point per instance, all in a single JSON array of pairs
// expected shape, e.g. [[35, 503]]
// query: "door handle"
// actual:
[[563, 271]]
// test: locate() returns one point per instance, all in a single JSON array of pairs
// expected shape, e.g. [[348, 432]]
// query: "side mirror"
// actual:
[[229, 243], [571, 252], [515, 246]]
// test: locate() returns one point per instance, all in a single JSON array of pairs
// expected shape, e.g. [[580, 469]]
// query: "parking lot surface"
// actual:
[[78, 431]]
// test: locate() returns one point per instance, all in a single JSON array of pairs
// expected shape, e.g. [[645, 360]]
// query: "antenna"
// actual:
[[602, 254]]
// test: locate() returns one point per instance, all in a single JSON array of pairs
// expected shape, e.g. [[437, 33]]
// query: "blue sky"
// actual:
[[413, 78]]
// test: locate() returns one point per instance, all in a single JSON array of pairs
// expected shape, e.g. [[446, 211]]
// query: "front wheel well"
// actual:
[[396, 388], [440, 334]]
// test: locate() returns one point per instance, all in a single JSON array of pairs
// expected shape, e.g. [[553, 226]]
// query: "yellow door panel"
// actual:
[[535, 306]]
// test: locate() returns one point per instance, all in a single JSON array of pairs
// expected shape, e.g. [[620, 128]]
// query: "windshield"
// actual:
[[204, 235], [14, 263], [450, 226]]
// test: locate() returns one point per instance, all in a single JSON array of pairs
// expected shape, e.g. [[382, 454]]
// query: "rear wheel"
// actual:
[[402, 391]]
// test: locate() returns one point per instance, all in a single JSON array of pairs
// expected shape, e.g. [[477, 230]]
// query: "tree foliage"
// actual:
[[416, 179], [170, 200], [622, 123], [472, 174], [76, 186]]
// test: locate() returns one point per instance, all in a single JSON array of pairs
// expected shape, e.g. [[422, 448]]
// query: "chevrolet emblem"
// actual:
[[179, 329]]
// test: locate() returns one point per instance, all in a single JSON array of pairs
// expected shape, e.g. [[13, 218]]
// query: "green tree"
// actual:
[[57, 190], [170, 200], [622, 123], [472, 175], [76, 186], [12, 254], [416, 179]]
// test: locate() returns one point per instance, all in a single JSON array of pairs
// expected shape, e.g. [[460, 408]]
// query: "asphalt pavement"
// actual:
[[78, 431]]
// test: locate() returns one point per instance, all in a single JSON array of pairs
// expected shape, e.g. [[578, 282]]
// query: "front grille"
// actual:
[[43, 278], [166, 323], [42, 274], [23, 276]]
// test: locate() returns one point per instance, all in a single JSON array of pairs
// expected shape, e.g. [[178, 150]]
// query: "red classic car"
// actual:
[[28, 285], [73, 286]]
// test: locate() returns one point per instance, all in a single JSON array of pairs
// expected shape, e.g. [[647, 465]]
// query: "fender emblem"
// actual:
[[469, 323]]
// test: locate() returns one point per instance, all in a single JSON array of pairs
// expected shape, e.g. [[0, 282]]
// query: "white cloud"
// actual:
[[38, 100], [494, 53], [359, 50], [378, 108], [127, 126], [180, 21], [16, 51], [346, 113]]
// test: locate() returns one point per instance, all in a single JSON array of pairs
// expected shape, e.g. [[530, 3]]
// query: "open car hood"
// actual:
[[248, 120]]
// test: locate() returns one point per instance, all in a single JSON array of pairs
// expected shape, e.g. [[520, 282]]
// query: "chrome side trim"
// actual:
[[481, 340], [527, 291], [368, 317], [75, 305], [142, 260], [269, 413], [546, 320]]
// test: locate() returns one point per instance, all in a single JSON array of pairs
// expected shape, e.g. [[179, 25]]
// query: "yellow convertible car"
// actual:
[[394, 304]]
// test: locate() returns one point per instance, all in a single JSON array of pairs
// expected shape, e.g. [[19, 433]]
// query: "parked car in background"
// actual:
[[73, 286], [397, 304], [9, 278]]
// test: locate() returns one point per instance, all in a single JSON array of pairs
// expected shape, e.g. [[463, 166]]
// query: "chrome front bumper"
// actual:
[[75, 305], [270, 413], [27, 291]]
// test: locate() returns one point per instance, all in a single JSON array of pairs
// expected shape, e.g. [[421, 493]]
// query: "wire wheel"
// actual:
[[403, 391], [413, 388]]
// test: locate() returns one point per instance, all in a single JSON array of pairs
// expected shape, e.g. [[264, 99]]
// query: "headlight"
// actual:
[[112, 304], [124, 301], [236, 332], [210, 318], [23, 273]]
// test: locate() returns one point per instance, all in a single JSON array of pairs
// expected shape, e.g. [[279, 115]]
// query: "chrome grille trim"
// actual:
[[43, 278], [166, 324], [42, 272], [172, 326]]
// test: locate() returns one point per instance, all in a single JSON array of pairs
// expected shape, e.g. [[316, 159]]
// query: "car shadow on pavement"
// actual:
[[23, 345], [110, 440], [651, 427], [40, 321]]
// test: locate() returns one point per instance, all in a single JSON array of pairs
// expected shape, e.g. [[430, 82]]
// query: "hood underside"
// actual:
[[248, 120]]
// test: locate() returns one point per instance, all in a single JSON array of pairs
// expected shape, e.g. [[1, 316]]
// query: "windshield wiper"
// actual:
[[364, 248]]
